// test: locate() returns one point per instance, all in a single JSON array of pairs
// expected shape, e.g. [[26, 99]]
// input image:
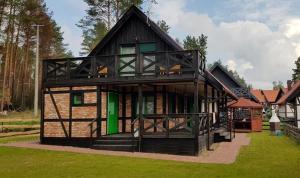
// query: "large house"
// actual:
[[138, 90]]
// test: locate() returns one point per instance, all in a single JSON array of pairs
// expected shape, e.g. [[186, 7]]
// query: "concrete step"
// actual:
[[115, 142], [115, 147]]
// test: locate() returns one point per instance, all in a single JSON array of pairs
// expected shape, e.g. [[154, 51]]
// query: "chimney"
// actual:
[[289, 85]]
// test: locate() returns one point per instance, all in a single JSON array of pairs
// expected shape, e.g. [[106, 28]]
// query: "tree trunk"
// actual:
[[6, 65]]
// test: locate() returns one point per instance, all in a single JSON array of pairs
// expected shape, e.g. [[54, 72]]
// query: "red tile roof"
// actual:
[[285, 90], [271, 95], [258, 94], [244, 103], [295, 88]]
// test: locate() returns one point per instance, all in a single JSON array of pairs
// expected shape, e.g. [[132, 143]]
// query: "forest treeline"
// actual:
[[18, 48]]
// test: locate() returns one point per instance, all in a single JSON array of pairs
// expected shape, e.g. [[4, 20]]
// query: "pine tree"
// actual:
[[17, 44], [296, 74], [101, 16], [163, 25], [196, 43]]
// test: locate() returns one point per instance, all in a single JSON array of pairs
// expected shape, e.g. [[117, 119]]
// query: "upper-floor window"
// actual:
[[127, 65], [148, 59], [127, 62]]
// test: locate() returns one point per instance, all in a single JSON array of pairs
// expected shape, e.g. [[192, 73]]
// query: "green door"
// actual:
[[112, 113]]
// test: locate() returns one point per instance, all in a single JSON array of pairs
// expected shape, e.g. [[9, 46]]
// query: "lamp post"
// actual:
[[36, 74], [274, 123]]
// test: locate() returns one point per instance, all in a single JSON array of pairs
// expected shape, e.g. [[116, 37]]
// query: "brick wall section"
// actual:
[[62, 102], [82, 129], [90, 97], [159, 103], [103, 104], [54, 129], [84, 112]]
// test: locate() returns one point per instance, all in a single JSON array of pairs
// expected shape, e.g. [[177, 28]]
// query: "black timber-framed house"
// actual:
[[138, 90]]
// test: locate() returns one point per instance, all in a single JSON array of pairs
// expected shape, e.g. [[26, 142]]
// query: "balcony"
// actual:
[[145, 67]]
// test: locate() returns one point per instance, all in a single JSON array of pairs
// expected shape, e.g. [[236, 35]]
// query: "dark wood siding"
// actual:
[[133, 31], [225, 79], [179, 146]]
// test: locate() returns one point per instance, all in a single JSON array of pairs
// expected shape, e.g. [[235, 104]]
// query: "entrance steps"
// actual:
[[116, 143], [221, 134]]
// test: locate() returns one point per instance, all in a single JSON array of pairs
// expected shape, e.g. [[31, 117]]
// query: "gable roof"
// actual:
[[219, 67], [271, 95], [290, 94], [258, 94], [131, 12], [244, 103]]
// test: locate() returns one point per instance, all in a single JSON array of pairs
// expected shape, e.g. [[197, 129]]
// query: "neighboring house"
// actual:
[[268, 98], [241, 111], [230, 82], [289, 105], [138, 90], [259, 95]]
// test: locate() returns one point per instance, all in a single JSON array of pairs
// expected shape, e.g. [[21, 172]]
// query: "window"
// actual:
[[172, 103], [148, 105], [148, 65], [127, 63], [77, 99]]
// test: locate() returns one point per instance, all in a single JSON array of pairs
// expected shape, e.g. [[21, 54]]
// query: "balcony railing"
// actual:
[[154, 64]]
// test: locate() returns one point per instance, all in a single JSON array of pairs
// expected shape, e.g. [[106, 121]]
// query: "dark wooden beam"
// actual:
[[195, 117], [141, 123], [70, 113], [99, 111], [58, 113], [124, 110], [42, 115], [155, 106]]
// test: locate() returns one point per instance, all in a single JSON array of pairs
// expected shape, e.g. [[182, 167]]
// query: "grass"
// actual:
[[19, 138], [32, 122], [28, 114], [267, 156], [18, 122]]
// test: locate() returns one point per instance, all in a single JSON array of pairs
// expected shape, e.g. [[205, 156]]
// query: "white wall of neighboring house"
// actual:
[[298, 111], [281, 111]]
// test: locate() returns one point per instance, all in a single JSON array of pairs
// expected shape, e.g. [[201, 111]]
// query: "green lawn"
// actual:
[[267, 156]]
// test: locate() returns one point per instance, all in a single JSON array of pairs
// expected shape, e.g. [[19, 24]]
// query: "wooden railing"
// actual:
[[292, 131], [174, 125], [155, 64]]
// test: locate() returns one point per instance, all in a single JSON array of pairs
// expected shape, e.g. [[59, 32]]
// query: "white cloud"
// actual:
[[257, 52], [231, 65], [73, 40]]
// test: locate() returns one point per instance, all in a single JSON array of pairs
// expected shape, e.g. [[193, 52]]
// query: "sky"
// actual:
[[260, 39]]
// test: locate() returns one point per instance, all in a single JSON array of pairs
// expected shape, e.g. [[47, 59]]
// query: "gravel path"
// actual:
[[224, 152]]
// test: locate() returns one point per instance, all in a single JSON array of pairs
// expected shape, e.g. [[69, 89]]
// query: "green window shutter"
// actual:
[[147, 47]]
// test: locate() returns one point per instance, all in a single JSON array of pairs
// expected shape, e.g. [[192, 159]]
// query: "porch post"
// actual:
[[141, 121], [155, 107], [124, 110], [206, 111], [70, 113], [218, 108], [99, 111], [42, 114], [195, 116]]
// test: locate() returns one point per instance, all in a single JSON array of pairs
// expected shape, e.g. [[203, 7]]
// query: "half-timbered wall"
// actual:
[[62, 119]]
